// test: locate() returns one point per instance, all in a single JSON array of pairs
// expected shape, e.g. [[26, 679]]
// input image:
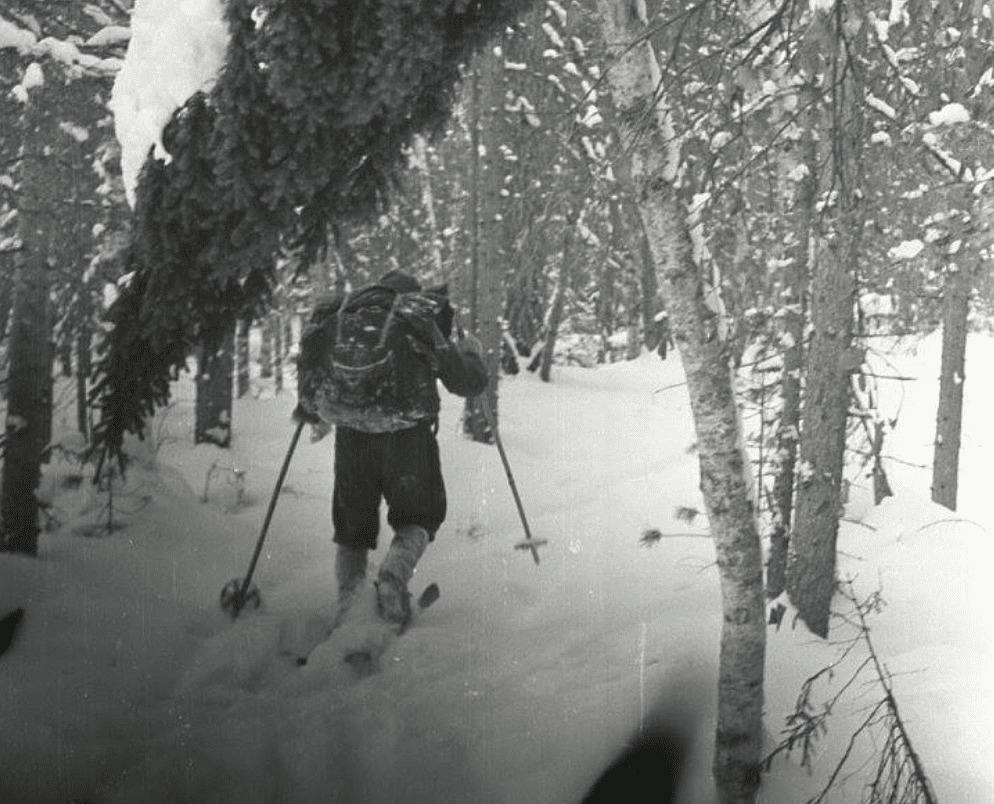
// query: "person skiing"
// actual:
[[385, 440]]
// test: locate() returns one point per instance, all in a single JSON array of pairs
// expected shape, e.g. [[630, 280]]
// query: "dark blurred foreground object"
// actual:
[[8, 626], [655, 765], [649, 770]]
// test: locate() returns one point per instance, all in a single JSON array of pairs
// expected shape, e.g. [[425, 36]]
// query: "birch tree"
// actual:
[[648, 135]]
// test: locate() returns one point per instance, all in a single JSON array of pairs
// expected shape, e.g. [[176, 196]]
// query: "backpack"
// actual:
[[368, 361]]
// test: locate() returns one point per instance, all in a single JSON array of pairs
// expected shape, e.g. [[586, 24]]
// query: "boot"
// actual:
[[350, 570], [392, 598]]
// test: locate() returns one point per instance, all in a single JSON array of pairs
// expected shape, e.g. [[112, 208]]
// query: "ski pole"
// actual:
[[529, 542], [236, 593]]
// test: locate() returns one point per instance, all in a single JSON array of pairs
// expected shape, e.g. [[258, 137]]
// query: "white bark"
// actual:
[[648, 134]]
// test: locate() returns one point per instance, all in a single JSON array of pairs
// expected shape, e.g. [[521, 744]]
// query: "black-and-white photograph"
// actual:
[[496, 401]]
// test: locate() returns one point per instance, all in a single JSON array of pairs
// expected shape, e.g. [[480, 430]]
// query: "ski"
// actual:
[[365, 659]]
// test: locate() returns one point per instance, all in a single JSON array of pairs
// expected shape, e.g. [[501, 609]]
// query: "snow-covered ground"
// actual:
[[128, 684]]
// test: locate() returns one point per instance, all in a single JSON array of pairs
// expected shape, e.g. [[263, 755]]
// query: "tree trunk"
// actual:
[[488, 276], [420, 152], [29, 402], [83, 366], [265, 350], [635, 81], [831, 361], [215, 374], [287, 333], [6, 290], [811, 566], [960, 279], [955, 310], [563, 282], [276, 322], [788, 429], [242, 362]]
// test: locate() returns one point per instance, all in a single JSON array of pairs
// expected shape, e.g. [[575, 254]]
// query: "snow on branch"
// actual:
[[173, 53]]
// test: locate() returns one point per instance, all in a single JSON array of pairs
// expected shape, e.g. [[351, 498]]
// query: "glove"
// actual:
[[300, 414], [471, 344]]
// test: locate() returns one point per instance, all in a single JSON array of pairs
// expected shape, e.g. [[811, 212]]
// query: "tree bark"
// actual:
[[960, 279], [29, 403], [563, 282], [265, 350], [488, 293], [215, 374], [831, 360], [634, 79], [420, 152], [276, 323], [949, 419], [242, 361], [83, 365], [795, 281]]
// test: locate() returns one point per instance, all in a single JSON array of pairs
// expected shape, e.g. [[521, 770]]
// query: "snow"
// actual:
[[907, 250], [176, 48], [33, 76], [128, 683], [109, 35], [13, 36], [881, 106], [950, 114]]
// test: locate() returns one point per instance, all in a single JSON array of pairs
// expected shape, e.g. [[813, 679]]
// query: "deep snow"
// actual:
[[127, 683]]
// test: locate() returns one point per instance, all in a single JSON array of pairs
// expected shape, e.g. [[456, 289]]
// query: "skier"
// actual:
[[386, 450]]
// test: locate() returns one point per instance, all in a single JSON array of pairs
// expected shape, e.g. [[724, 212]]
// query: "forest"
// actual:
[[767, 192]]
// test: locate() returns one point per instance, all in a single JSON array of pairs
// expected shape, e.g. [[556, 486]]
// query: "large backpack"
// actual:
[[368, 361]]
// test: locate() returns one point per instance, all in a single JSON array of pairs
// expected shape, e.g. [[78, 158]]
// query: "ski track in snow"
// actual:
[[129, 684]]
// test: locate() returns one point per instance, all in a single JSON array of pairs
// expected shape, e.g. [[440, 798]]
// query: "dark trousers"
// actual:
[[401, 467]]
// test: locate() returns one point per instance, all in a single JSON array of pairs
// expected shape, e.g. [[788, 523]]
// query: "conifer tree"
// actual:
[[305, 128]]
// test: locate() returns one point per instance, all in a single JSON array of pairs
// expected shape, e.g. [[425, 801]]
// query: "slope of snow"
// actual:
[[128, 683]]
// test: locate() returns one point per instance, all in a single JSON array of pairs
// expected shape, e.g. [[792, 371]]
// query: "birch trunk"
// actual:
[[634, 79]]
